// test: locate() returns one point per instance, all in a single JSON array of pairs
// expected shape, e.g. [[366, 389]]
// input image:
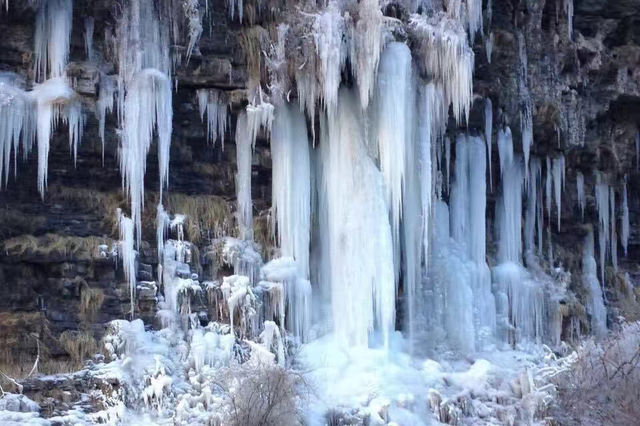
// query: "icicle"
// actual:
[[488, 46], [581, 194], [531, 216], [447, 161], [638, 150], [613, 232], [488, 128], [505, 148], [558, 184], [50, 97], [88, 36], [595, 302], [162, 226], [75, 121], [509, 215], [548, 183], [394, 121], [128, 254], [17, 125], [142, 42], [259, 116], [602, 204], [446, 56], [147, 108], [328, 31], [526, 103], [568, 9], [191, 10], [360, 270], [625, 226], [235, 5], [215, 106], [103, 105], [243, 177], [291, 201], [365, 37], [53, 30]]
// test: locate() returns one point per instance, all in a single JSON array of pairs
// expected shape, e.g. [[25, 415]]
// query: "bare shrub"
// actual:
[[264, 395], [603, 384]]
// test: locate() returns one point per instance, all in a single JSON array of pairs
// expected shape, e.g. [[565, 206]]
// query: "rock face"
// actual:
[[59, 279]]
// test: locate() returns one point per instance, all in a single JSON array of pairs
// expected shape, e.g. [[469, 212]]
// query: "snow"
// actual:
[[52, 34]]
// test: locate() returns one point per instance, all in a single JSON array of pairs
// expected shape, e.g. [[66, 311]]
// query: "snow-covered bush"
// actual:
[[262, 395], [603, 384]]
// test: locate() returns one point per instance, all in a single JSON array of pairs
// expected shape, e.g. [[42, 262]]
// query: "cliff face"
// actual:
[[58, 283]]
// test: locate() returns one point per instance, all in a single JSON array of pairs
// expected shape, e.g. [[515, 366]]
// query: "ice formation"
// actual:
[[291, 201], [362, 229], [595, 305], [89, 25], [104, 105], [602, 195], [365, 44], [625, 226], [53, 31], [446, 55], [359, 211], [148, 109], [568, 9], [17, 125], [243, 177], [558, 184], [394, 130], [581, 194], [214, 105], [128, 254], [488, 129], [53, 99]]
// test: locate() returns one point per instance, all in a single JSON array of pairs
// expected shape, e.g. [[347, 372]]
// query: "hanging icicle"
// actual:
[[53, 31], [581, 194]]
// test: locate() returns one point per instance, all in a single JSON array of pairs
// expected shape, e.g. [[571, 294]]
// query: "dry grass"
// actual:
[[48, 245], [91, 300], [80, 345], [208, 216]]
